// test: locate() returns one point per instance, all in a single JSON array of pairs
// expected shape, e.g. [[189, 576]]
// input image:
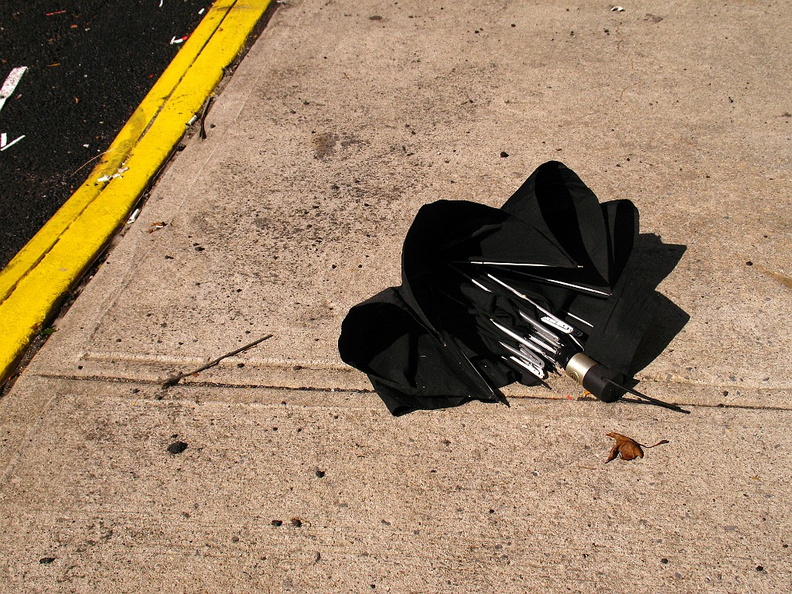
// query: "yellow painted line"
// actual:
[[34, 282]]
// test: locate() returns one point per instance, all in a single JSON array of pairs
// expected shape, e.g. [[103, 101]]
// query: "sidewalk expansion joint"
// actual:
[[209, 385]]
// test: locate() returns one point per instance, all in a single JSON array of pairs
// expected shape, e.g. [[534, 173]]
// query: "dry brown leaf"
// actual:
[[627, 448]]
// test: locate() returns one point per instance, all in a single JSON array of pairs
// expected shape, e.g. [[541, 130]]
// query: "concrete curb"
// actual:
[[35, 281]]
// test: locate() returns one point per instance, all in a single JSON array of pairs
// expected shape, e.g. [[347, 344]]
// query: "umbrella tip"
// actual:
[[649, 399]]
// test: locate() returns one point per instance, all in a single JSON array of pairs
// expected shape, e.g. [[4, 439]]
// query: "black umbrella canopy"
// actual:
[[492, 296]]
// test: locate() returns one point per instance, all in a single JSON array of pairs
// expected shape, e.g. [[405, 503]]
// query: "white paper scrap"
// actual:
[[10, 84], [4, 144]]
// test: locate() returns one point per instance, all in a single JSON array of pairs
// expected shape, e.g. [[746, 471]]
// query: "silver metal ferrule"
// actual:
[[578, 367]]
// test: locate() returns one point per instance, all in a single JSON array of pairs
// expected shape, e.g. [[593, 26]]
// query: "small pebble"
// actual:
[[177, 447]]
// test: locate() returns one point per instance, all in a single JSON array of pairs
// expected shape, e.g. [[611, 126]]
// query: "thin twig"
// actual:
[[172, 381], [88, 162], [202, 133]]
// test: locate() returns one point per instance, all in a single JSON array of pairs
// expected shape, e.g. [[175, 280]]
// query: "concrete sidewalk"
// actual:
[[342, 120]]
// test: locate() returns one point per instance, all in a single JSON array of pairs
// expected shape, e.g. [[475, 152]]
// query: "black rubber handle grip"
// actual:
[[601, 381]]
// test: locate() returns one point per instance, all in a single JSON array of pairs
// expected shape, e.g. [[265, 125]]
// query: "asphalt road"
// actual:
[[89, 63]]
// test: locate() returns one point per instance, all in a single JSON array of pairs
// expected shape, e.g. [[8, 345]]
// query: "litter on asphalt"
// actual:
[[10, 84]]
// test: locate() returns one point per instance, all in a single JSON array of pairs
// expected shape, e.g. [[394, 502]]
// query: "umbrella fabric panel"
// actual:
[[621, 325], [447, 233], [409, 366], [555, 197]]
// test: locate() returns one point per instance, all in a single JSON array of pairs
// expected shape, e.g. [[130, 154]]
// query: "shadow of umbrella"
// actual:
[[654, 261]]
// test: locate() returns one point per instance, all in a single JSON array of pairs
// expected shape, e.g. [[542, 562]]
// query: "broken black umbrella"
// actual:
[[492, 296]]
